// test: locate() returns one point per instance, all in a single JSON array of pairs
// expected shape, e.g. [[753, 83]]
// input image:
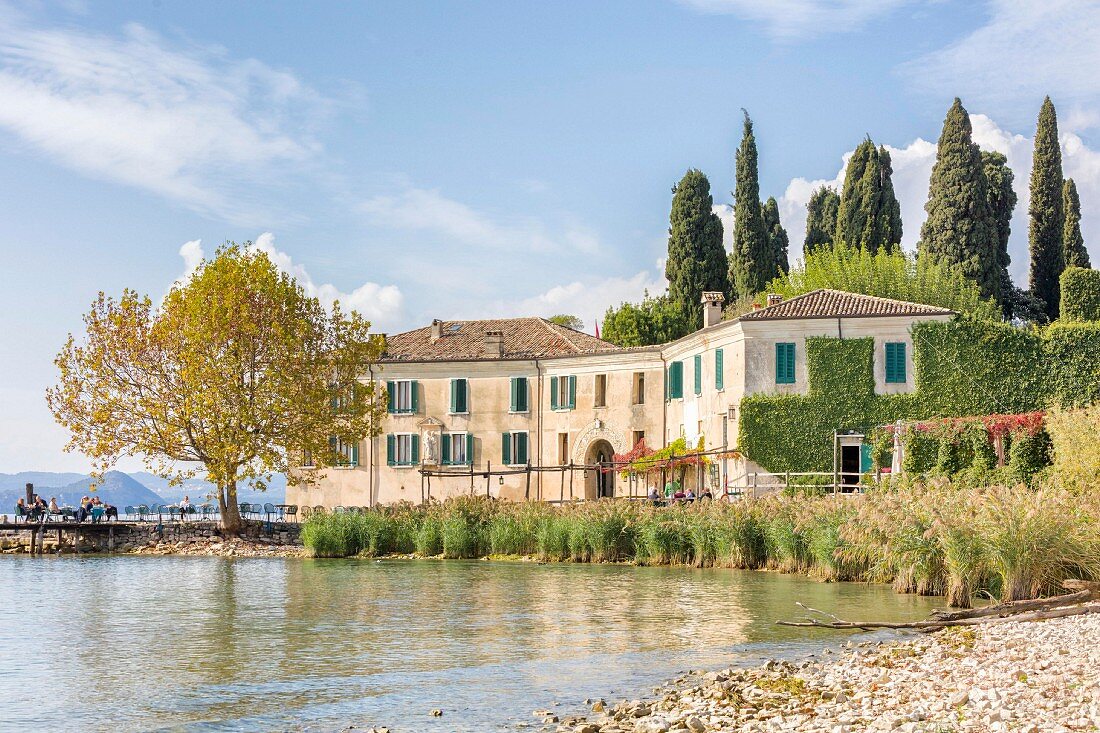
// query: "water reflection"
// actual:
[[187, 644]]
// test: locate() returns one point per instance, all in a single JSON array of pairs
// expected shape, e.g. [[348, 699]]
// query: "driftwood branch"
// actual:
[[1070, 604]]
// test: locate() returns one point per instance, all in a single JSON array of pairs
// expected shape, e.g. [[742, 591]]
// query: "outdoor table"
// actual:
[[282, 510]]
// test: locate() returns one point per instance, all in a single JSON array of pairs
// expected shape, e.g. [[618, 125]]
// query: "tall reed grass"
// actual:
[[933, 538]]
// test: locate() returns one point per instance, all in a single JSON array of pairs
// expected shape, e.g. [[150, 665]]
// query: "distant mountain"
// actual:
[[115, 488], [18, 481]]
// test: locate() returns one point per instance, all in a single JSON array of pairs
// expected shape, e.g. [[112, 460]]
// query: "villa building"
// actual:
[[481, 396]]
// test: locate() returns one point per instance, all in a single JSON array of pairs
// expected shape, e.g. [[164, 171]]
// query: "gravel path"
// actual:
[[1030, 677]]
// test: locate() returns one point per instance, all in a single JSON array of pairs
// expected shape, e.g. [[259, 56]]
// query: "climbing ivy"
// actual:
[[962, 367]]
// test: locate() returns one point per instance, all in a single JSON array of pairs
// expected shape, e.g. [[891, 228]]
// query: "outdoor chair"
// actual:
[[269, 511], [208, 511], [307, 511], [155, 509], [339, 510], [129, 511], [320, 510], [173, 513], [97, 514], [68, 514], [244, 509], [142, 512], [290, 511], [20, 513]]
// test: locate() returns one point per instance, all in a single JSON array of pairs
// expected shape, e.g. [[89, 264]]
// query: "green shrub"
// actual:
[[1029, 454], [1080, 294]]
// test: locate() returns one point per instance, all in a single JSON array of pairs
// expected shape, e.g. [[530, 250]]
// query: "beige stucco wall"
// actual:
[[749, 367]]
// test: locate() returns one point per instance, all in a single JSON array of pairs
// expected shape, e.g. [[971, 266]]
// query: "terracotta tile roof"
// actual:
[[839, 304], [523, 338]]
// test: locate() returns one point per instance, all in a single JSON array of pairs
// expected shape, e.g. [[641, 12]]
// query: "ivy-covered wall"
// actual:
[[963, 367]]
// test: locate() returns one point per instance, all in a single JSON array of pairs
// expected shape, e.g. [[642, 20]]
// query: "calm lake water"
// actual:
[[213, 644]]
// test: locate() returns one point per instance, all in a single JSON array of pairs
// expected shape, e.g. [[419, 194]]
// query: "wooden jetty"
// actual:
[[39, 531]]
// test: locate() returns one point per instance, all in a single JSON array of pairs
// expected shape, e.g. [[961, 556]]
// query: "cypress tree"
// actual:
[[1045, 214], [821, 213], [696, 257], [777, 235], [1002, 201], [869, 215], [752, 263], [960, 227], [1073, 244]]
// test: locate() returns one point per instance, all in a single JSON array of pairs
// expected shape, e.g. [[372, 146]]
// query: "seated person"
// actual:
[[85, 509], [54, 508], [690, 495], [39, 509], [21, 508], [679, 495], [654, 495], [185, 506], [109, 510], [706, 494]]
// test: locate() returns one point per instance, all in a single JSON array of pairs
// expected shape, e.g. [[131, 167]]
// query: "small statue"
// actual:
[[431, 448]]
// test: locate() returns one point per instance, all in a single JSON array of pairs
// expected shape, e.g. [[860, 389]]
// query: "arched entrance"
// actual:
[[600, 483]]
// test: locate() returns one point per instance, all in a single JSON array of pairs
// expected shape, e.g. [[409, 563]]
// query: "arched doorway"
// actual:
[[600, 483]]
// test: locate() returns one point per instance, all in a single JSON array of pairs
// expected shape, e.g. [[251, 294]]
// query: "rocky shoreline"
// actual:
[[1032, 677]]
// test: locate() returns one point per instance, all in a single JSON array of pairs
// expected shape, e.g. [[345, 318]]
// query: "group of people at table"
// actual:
[[39, 510], [675, 493]]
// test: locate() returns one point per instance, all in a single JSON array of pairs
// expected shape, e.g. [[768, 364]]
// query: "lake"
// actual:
[[216, 644]]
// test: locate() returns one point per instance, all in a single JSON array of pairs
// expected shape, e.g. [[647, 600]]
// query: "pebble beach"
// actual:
[[1032, 677]]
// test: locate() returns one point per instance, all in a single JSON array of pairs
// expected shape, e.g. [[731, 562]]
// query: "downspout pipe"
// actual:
[[538, 422]]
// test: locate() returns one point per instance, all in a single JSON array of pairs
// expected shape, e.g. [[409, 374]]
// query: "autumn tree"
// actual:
[[236, 375]]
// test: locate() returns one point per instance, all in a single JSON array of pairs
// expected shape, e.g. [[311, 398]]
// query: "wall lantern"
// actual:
[[502, 481]]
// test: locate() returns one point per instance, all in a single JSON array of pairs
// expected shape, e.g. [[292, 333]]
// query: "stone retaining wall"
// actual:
[[134, 537]]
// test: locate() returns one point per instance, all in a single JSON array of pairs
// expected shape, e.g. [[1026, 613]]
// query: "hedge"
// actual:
[[962, 367], [1080, 294]]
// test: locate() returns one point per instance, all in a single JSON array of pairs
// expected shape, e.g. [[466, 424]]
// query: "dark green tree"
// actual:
[[869, 215], [821, 213], [1046, 218], [960, 228], [751, 263], [696, 257], [777, 235], [1002, 202], [656, 320], [1073, 244]]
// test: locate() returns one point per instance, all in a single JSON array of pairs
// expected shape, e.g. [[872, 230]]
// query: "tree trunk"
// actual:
[[230, 512]]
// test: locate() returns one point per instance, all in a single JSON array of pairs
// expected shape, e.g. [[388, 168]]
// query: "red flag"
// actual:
[[597, 328]]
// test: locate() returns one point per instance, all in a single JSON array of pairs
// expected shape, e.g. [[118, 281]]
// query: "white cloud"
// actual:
[[382, 305], [1024, 51], [793, 19], [424, 210], [913, 166], [185, 122]]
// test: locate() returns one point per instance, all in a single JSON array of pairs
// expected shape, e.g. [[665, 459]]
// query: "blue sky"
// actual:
[[460, 160]]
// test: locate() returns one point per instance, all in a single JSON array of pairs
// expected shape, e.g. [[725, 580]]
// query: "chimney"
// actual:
[[494, 343], [755, 307], [774, 299], [437, 330], [712, 308]]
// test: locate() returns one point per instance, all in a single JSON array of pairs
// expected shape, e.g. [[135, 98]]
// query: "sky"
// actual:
[[456, 160]]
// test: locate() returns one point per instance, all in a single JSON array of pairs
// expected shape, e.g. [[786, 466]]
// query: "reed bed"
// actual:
[[931, 538]]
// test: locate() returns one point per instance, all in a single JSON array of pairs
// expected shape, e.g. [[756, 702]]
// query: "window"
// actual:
[[675, 382], [563, 448], [563, 392], [519, 394], [458, 449], [895, 362], [402, 449], [347, 452], [719, 370], [460, 396], [698, 374], [600, 400], [784, 363], [404, 396], [639, 388], [513, 448], [639, 436]]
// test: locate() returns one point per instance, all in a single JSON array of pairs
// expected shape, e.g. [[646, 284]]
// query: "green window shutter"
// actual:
[[391, 449], [572, 392], [522, 394], [895, 362], [698, 374], [454, 396], [521, 448], [414, 388], [866, 462], [355, 454], [469, 449], [506, 448], [415, 450], [553, 393], [719, 370], [464, 395], [389, 392], [676, 380], [446, 448], [784, 363]]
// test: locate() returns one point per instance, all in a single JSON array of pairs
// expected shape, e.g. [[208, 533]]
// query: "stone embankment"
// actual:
[[1031, 677], [193, 538]]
